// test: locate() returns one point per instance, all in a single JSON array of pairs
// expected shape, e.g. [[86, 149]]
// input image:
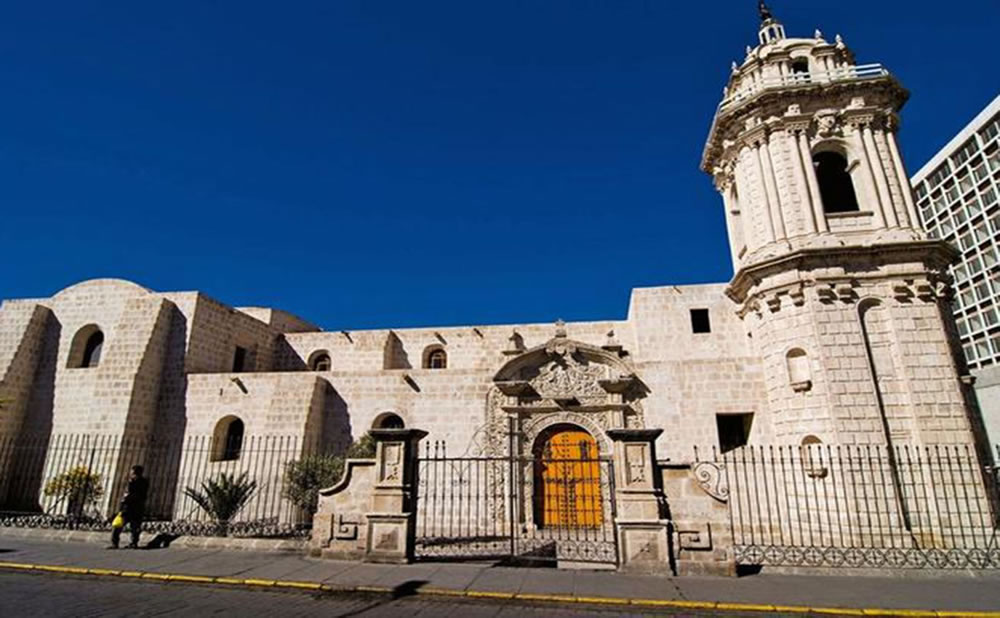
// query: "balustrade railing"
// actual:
[[751, 87]]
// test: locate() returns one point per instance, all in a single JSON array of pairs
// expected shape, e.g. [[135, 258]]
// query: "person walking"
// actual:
[[133, 507]]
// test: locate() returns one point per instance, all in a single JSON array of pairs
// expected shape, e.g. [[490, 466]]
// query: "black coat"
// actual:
[[134, 502]]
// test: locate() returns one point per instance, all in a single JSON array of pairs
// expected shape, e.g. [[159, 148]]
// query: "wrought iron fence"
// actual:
[[77, 482], [862, 506], [519, 508]]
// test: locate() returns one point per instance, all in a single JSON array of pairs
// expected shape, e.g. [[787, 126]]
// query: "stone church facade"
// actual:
[[835, 328]]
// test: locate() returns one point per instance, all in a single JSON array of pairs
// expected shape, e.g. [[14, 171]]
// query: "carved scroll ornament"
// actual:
[[711, 477]]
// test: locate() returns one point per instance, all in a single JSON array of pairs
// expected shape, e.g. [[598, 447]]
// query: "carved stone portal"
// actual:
[[561, 382]]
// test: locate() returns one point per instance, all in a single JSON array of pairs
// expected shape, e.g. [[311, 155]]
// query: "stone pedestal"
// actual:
[[392, 515], [643, 539]]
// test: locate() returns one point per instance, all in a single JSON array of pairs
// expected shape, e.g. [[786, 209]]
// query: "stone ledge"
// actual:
[[277, 546]]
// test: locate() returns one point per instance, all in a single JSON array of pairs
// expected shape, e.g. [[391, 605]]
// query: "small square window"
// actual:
[[700, 322], [734, 430]]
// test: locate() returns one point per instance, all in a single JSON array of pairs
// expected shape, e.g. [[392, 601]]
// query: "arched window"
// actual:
[[228, 438], [799, 373], [85, 351], [319, 361], [836, 189], [388, 420], [435, 358]]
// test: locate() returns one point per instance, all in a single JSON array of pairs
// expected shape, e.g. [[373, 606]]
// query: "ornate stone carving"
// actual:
[[391, 461], [827, 124], [635, 461], [347, 529], [569, 380], [711, 477]]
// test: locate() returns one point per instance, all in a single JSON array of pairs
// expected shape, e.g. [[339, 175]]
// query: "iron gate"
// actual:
[[515, 508]]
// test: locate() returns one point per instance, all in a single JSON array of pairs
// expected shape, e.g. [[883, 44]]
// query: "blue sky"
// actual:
[[398, 163]]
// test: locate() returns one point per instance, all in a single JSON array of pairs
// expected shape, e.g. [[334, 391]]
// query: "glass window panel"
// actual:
[[989, 257], [975, 323], [967, 298], [983, 290], [989, 196], [981, 232]]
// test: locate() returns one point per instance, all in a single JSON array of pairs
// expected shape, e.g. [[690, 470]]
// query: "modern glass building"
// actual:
[[958, 199]]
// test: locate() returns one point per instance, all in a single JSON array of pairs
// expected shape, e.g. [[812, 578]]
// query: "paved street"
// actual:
[[56, 595], [92, 594]]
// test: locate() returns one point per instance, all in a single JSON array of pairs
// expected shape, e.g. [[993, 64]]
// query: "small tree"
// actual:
[[78, 486], [223, 498], [305, 477]]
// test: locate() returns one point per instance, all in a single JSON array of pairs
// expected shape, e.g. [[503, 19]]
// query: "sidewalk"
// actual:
[[917, 591]]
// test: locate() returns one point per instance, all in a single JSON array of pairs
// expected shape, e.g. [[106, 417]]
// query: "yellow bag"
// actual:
[[118, 521]]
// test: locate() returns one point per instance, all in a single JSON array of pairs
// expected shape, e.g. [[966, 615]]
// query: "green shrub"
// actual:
[[78, 486], [305, 477], [223, 498]]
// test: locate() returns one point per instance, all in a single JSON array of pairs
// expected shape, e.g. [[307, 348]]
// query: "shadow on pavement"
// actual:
[[161, 541], [405, 589]]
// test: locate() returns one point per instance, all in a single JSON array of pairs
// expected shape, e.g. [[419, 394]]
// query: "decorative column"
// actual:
[[866, 171], [881, 182], [766, 214], [643, 538], [901, 178], [767, 154], [391, 520], [812, 185]]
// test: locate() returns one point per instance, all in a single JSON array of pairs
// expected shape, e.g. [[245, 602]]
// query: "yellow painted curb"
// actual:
[[103, 572], [198, 579], [444, 592], [602, 600], [674, 603], [956, 614], [16, 565], [899, 612], [792, 609], [130, 574], [837, 611], [61, 569], [378, 589], [299, 585], [745, 607], [228, 580], [259, 582], [525, 596], [480, 594], [157, 576]]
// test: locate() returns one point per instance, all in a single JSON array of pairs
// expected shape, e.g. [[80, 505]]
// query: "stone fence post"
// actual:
[[392, 518], [643, 539], [370, 513]]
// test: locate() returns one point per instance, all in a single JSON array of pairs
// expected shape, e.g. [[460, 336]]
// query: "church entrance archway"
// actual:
[[567, 483]]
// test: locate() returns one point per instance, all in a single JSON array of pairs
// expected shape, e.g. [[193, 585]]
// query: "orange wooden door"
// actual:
[[571, 480]]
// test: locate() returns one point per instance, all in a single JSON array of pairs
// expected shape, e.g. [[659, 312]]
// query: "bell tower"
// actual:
[[844, 296]]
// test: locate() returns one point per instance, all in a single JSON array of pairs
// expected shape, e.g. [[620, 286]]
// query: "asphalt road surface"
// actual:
[[52, 595]]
